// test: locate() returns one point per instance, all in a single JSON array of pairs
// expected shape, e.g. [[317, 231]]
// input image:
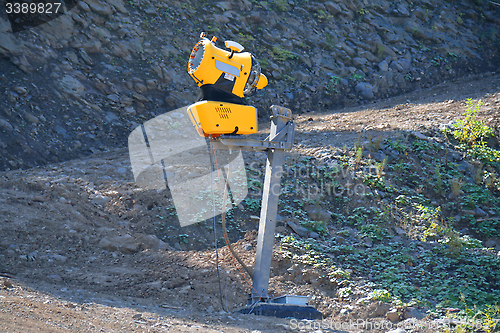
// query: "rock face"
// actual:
[[128, 58]]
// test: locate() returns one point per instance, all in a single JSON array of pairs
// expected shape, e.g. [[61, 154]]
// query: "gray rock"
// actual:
[[405, 64], [21, 90], [332, 8], [397, 239], [403, 10], [247, 247], [9, 45], [99, 7], [455, 156], [418, 135], [367, 241], [150, 242], [399, 231], [111, 118], [492, 242], [140, 97], [479, 212], [5, 26], [359, 61], [129, 111], [72, 86], [314, 235], [119, 6], [298, 229], [413, 312], [365, 90], [114, 98], [301, 76], [368, 55], [5, 125], [31, 118], [84, 6], [125, 244], [140, 88], [465, 166], [469, 212], [393, 316], [383, 66], [383, 49], [378, 309], [340, 240], [349, 50], [378, 156], [121, 170], [85, 57], [152, 84], [318, 214], [395, 66]]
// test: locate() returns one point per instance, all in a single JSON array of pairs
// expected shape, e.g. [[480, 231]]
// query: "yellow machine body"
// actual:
[[209, 64], [216, 62], [225, 78], [215, 118]]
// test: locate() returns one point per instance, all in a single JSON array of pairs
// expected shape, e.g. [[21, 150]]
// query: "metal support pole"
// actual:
[[269, 208]]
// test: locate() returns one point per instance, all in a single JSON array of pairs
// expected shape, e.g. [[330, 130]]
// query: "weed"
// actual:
[[379, 167], [332, 84], [281, 54], [357, 76], [344, 292], [373, 231], [470, 130], [288, 78], [456, 186], [361, 13], [380, 295], [245, 39], [281, 5], [374, 182], [252, 204], [184, 238], [321, 15], [359, 155]]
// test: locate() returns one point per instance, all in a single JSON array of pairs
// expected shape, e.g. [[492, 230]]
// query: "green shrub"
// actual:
[[470, 130]]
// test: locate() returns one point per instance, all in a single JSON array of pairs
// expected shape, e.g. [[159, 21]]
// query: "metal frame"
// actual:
[[280, 139]]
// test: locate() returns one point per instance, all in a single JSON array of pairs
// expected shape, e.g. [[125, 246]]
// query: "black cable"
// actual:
[[214, 225]]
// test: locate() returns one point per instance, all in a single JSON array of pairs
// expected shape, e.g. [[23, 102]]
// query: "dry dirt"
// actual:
[[56, 277]]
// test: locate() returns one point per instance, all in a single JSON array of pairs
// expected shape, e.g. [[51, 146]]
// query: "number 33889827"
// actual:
[[38, 8]]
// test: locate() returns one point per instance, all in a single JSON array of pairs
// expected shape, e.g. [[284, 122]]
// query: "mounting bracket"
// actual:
[[280, 138]]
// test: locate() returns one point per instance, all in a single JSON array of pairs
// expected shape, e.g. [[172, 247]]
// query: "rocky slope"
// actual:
[[83, 81]]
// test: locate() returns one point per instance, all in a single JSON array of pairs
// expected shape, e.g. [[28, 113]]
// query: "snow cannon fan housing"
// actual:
[[225, 79]]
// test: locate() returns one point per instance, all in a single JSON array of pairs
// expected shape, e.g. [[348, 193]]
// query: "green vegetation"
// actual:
[[415, 236], [331, 87], [282, 54], [245, 39], [321, 15], [470, 130]]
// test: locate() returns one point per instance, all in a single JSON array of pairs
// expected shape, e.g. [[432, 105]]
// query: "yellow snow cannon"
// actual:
[[225, 78]]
